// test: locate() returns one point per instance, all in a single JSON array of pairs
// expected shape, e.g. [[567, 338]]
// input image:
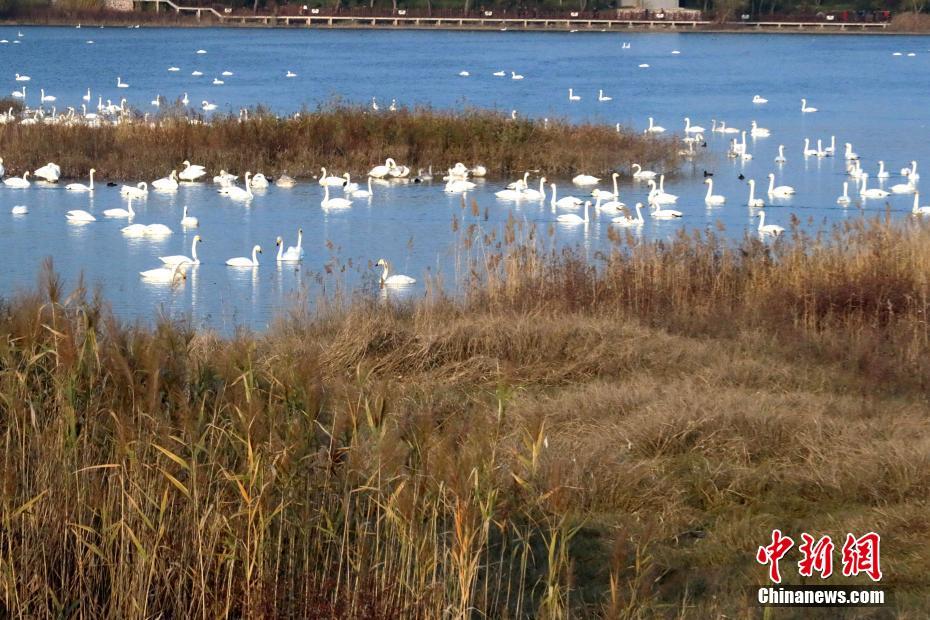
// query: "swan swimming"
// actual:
[[628, 220], [164, 274], [585, 179], [18, 182], [139, 191], [806, 109], [865, 192], [242, 261], [711, 198], [294, 253], [79, 216], [566, 202], [642, 175], [168, 183], [237, 193], [844, 199], [189, 221], [759, 100], [191, 172], [333, 203], [80, 187], [121, 213], [330, 180], [689, 128], [653, 128], [782, 191], [768, 229], [574, 218], [754, 202], [572, 96], [392, 280], [917, 210], [178, 259]]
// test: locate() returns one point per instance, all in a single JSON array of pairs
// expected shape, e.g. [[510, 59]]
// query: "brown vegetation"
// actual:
[[564, 439], [338, 137]]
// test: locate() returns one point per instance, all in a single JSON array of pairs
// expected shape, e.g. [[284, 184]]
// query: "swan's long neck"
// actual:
[[255, 255], [385, 270], [92, 180], [662, 183], [300, 239], [194, 248], [553, 193], [542, 188], [771, 184], [326, 193], [761, 220], [369, 186], [913, 168], [616, 191], [845, 189], [710, 188], [586, 205], [280, 249], [639, 212], [752, 191], [916, 201], [638, 167], [881, 167]]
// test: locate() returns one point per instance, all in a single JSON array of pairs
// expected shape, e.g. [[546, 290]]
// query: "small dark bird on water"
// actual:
[[741, 176], [111, 184], [708, 174]]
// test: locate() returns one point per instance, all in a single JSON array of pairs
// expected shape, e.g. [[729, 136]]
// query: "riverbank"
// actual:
[[342, 138], [559, 441], [176, 15]]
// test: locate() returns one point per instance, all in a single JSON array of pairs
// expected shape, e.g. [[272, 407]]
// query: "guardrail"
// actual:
[[487, 22]]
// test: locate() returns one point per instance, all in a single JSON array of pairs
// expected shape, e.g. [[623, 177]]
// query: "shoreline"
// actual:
[[347, 22]]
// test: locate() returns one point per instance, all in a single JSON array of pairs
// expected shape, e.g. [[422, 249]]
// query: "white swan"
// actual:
[[19, 210], [602, 97], [882, 173], [139, 191], [515, 76], [168, 183], [689, 128], [206, 106], [844, 199], [565, 202], [808, 151], [457, 186], [806, 108], [664, 214], [782, 191], [362, 193], [643, 175], [831, 150], [911, 171], [80, 187], [178, 259], [333, 203], [585, 179], [917, 210], [49, 172], [657, 195], [330, 180], [22, 78], [237, 193], [120, 83], [164, 274], [753, 201], [759, 132], [759, 99], [45, 98], [133, 230], [574, 218], [768, 229], [572, 96], [780, 158], [79, 215], [242, 261], [519, 184], [904, 188], [121, 213], [604, 193], [294, 253], [259, 181], [191, 172], [711, 198], [18, 182], [189, 221], [392, 280], [628, 220], [381, 171], [653, 128], [865, 192], [849, 154]]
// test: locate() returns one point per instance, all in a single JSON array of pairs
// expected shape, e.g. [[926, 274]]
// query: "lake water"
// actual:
[[865, 95]]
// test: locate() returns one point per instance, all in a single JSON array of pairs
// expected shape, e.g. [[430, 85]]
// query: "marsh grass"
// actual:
[[340, 137], [568, 438]]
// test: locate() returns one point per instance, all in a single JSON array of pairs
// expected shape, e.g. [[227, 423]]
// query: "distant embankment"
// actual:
[[177, 13], [340, 137]]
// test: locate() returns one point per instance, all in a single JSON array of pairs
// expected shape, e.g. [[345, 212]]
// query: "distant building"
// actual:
[[656, 5]]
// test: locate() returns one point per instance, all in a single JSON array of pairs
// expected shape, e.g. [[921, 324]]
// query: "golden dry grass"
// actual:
[[340, 137], [564, 440]]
